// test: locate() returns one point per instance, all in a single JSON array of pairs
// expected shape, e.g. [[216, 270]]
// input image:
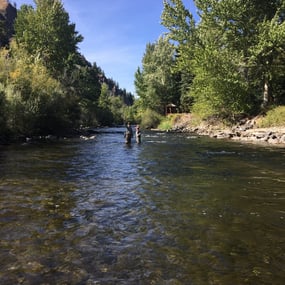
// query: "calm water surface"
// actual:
[[177, 209]]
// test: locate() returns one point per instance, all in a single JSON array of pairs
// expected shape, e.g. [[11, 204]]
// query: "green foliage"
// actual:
[[105, 114], [274, 117], [46, 86], [117, 109], [182, 30], [6, 65], [166, 123], [35, 100], [141, 87], [219, 85], [130, 114], [104, 99], [268, 55], [112, 109], [186, 102], [233, 59], [45, 33], [3, 33], [45, 56], [150, 119], [156, 83], [3, 111]]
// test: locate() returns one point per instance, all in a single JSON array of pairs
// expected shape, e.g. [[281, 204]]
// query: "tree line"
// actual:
[[229, 62], [46, 85]]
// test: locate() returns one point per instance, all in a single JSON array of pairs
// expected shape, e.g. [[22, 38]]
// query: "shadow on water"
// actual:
[[176, 209]]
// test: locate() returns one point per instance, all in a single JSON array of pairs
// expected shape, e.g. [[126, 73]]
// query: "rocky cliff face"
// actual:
[[8, 14]]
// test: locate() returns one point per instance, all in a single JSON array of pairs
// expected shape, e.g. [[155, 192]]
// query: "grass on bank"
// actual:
[[273, 118], [183, 119], [166, 123]]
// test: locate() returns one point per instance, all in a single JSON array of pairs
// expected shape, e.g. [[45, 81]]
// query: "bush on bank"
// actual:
[[273, 118]]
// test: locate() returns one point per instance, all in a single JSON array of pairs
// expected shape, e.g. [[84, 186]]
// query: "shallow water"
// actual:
[[176, 209]]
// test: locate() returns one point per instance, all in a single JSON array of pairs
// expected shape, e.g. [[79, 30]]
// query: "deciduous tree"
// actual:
[[156, 83], [45, 32]]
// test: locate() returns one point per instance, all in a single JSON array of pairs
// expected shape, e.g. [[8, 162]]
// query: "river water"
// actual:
[[176, 209]]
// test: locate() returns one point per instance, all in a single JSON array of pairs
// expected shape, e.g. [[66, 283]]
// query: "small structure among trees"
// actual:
[[170, 109]]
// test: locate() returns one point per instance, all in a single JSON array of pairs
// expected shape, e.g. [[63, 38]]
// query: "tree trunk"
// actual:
[[265, 92]]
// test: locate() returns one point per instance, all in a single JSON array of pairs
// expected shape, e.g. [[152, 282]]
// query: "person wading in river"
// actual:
[[138, 134], [128, 133]]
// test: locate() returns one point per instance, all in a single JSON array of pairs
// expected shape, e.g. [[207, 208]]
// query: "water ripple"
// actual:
[[173, 210]]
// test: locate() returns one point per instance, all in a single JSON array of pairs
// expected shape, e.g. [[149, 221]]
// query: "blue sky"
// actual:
[[116, 32]]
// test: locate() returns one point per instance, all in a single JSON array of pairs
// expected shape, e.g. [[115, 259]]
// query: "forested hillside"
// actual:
[[46, 85], [228, 62]]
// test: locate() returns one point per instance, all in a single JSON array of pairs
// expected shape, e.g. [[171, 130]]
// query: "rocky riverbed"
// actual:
[[245, 130]]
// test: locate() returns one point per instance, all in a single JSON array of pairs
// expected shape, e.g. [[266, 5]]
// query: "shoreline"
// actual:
[[85, 134], [245, 131]]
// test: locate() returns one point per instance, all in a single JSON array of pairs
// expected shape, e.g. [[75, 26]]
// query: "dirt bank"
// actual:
[[246, 130]]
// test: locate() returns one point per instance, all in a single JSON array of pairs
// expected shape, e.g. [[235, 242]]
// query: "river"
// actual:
[[175, 209]]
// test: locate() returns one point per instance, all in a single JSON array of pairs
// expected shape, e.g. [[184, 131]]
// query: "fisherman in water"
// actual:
[[138, 134], [128, 133]]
